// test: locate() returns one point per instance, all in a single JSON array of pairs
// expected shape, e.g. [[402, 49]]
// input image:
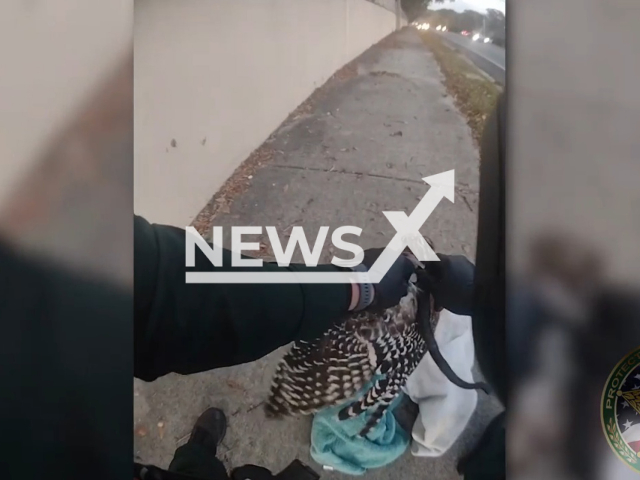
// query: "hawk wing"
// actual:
[[327, 371]]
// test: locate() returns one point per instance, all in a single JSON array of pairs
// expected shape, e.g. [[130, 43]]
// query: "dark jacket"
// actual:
[[67, 348], [65, 380], [188, 328]]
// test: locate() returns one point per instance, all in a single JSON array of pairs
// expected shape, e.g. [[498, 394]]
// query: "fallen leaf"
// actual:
[[397, 134], [161, 430], [204, 140], [235, 385], [286, 187], [223, 207], [174, 144], [141, 431]]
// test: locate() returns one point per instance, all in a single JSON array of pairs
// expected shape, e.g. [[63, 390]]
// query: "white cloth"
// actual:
[[445, 409]]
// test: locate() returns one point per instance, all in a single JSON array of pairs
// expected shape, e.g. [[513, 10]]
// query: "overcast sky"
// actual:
[[462, 5]]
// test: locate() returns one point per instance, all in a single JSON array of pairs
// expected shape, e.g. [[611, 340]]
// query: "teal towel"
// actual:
[[337, 444]]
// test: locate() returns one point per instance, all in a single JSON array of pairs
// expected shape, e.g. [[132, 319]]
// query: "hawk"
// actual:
[[382, 347]]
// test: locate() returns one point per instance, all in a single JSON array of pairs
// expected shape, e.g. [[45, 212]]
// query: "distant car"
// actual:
[[480, 38], [465, 33]]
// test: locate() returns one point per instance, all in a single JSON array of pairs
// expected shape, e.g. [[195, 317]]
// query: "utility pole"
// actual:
[[398, 15]]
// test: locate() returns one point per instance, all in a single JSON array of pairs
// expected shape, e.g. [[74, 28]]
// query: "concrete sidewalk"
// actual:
[[362, 147]]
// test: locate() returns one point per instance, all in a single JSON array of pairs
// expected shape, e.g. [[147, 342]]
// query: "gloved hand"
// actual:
[[393, 285], [451, 283]]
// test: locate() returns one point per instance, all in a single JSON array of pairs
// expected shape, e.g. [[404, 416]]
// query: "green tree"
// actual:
[[495, 24], [416, 8], [470, 20], [444, 16]]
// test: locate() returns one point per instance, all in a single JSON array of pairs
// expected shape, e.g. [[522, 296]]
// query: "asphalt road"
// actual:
[[486, 56]]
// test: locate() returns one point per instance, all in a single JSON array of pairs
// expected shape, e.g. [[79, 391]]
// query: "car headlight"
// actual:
[[476, 37], [487, 40]]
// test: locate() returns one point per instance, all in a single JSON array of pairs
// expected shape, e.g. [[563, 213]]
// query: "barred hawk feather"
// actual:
[[386, 345]]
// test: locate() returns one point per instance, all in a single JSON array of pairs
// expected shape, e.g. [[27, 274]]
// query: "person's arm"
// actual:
[[188, 328]]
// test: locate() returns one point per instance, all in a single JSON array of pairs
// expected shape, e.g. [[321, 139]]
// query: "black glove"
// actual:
[[394, 284], [450, 282]]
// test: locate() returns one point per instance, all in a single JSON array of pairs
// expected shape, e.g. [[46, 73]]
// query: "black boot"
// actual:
[[197, 457], [210, 429]]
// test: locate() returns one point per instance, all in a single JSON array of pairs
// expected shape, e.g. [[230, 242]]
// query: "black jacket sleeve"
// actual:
[[188, 328], [66, 378]]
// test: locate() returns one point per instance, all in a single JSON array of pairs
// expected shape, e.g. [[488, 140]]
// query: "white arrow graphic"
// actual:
[[408, 228], [408, 235]]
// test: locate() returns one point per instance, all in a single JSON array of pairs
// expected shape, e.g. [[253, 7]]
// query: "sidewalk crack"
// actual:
[[461, 190], [347, 172]]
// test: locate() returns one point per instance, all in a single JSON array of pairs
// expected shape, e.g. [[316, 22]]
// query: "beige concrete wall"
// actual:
[[230, 72], [54, 56]]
